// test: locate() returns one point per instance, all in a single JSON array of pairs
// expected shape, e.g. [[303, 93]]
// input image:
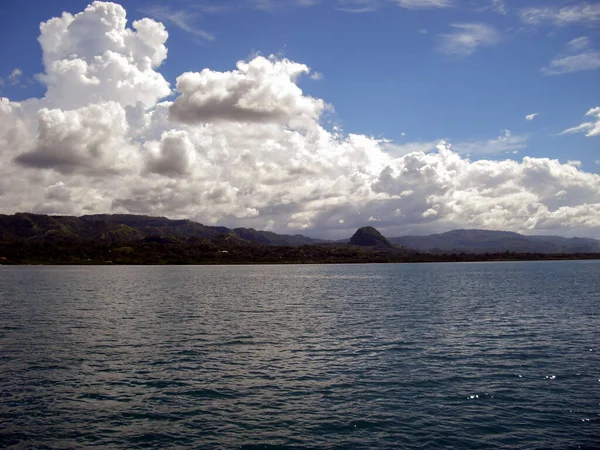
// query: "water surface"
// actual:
[[474, 355]]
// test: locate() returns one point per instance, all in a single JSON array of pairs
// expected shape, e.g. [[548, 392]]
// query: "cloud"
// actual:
[[15, 76], [247, 147], [397, 150], [261, 90], [582, 13], [468, 37], [531, 116], [362, 6], [93, 56], [498, 6], [506, 143], [180, 18], [589, 128], [423, 4], [86, 140], [579, 55], [173, 155], [275, 5]]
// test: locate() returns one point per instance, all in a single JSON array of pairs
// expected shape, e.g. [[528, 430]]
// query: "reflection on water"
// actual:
[[499, 355]]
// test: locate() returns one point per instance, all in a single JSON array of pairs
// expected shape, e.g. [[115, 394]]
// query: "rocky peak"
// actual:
[[369, 237]]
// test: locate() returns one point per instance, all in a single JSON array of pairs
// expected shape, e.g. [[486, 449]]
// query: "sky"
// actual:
[[305, 116]]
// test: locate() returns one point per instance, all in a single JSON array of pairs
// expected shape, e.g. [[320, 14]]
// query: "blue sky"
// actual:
[[407, 73]]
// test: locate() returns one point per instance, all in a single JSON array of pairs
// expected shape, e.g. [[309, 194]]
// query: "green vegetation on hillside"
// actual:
[[130, 239]]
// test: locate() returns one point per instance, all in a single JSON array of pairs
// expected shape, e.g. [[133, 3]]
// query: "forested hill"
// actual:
[[114, 229], [119, 228]]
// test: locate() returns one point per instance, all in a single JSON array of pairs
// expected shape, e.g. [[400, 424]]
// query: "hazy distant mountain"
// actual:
[[482, 241]]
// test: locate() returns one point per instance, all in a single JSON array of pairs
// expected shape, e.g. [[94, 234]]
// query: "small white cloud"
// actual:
[[584, 13], [531, 116], [181, 19], [577, 56], [398, 150], [424, 4], [316, 76], [15, 76], [468, 37], [362, 6], [589, 128], [423, 31], [499, 6], [506, 143], [277, 5], [358, 6]]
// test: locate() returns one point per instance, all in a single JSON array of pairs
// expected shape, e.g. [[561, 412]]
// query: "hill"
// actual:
[[369, 237], [115, 228], [485, 241], [137, 239]]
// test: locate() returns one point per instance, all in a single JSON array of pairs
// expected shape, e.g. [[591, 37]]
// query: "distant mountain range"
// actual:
[[124, 228], [484, 241]]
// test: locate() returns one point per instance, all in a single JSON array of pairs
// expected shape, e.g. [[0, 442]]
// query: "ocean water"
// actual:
[[479, 355]]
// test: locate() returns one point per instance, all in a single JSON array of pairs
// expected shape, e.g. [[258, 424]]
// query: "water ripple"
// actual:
[[328, 357]]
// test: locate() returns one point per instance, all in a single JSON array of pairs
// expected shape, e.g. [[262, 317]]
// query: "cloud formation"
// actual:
[[582, 13], [248, 147], [181, 19], [589, 128], [362, 6], [93, 57], [15, 76], [505, 143], [531, 116], [465, 38], [261, 90], [423, 4], [577, 56]]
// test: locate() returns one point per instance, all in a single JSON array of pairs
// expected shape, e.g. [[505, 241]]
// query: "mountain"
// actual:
[[115, 228], [485, 241], [369, 237], [126, 228]]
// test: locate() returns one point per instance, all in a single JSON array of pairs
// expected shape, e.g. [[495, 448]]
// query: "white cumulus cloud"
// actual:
[[247, 147], [93, 56], [261, 90]]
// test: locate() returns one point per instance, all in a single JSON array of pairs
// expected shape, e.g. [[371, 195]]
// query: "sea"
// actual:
[[502, 355]]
